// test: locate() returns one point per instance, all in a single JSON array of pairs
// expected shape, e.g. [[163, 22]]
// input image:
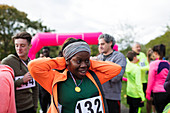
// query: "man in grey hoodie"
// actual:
[[112, 88]]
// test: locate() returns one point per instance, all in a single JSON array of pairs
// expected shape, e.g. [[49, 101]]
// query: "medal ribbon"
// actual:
[[25, 63], [75, 80]]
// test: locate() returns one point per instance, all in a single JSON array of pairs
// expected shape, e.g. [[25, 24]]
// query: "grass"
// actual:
[[38, 110], [124, 96]]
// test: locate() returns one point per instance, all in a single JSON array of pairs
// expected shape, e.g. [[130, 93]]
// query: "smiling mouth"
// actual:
[[83, 72]]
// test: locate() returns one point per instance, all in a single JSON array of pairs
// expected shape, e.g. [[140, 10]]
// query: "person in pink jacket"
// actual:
[[157, 75], [7, 95]]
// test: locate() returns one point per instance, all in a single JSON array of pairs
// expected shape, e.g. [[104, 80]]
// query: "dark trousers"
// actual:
[[30, 110], [113, 106], [45, 99], [144, 88], [134, 104], [161, 100], [133, 109]]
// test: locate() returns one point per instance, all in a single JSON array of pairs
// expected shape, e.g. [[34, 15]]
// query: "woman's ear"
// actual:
[[67, 62]]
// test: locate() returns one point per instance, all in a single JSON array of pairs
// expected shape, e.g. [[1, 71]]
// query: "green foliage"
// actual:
[[126, 50], [94, 50], [13, 21], [54, 51], [164, 39]]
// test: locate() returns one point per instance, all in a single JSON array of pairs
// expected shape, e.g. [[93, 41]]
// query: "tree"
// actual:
[[13, 21], [94, 50], [126, 35], [163, 39]]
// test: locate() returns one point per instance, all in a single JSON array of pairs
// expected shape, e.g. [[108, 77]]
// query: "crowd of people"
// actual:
[[76, 82]]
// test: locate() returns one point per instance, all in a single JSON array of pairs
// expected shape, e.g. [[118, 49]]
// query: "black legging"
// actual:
[[133, 109], [161, 100]]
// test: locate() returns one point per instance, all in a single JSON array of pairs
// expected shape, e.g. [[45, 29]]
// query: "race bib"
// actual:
[[90, 105], [142, 63], [29, 84]]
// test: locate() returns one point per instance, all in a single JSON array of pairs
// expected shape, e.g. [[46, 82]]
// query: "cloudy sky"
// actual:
[[148, 17]]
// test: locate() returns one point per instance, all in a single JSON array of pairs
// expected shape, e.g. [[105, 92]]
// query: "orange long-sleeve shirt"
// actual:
[[42, 71]]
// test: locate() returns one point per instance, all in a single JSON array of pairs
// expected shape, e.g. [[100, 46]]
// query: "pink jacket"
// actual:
[[158, 72], [7, 95]]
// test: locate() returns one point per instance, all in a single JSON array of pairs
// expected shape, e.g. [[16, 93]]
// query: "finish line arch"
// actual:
[[56, 39]]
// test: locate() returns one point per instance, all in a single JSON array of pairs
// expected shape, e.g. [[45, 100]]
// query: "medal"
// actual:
[[77, 89]]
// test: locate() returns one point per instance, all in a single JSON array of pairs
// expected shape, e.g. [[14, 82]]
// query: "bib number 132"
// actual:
[[91, 105]]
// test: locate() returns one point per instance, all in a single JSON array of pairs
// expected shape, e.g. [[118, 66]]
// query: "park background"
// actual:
[[13, 21]]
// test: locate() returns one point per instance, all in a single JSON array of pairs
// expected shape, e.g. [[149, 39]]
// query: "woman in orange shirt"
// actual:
[[78, 88]]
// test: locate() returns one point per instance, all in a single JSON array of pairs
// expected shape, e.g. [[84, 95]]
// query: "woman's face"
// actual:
[[156, 55], [79, 64]]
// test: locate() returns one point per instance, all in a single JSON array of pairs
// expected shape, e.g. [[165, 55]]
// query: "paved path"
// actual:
[[124, 109]]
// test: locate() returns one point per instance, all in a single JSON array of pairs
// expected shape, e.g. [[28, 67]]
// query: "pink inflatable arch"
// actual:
[[52, 39], [124, 79], [115, 47]]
